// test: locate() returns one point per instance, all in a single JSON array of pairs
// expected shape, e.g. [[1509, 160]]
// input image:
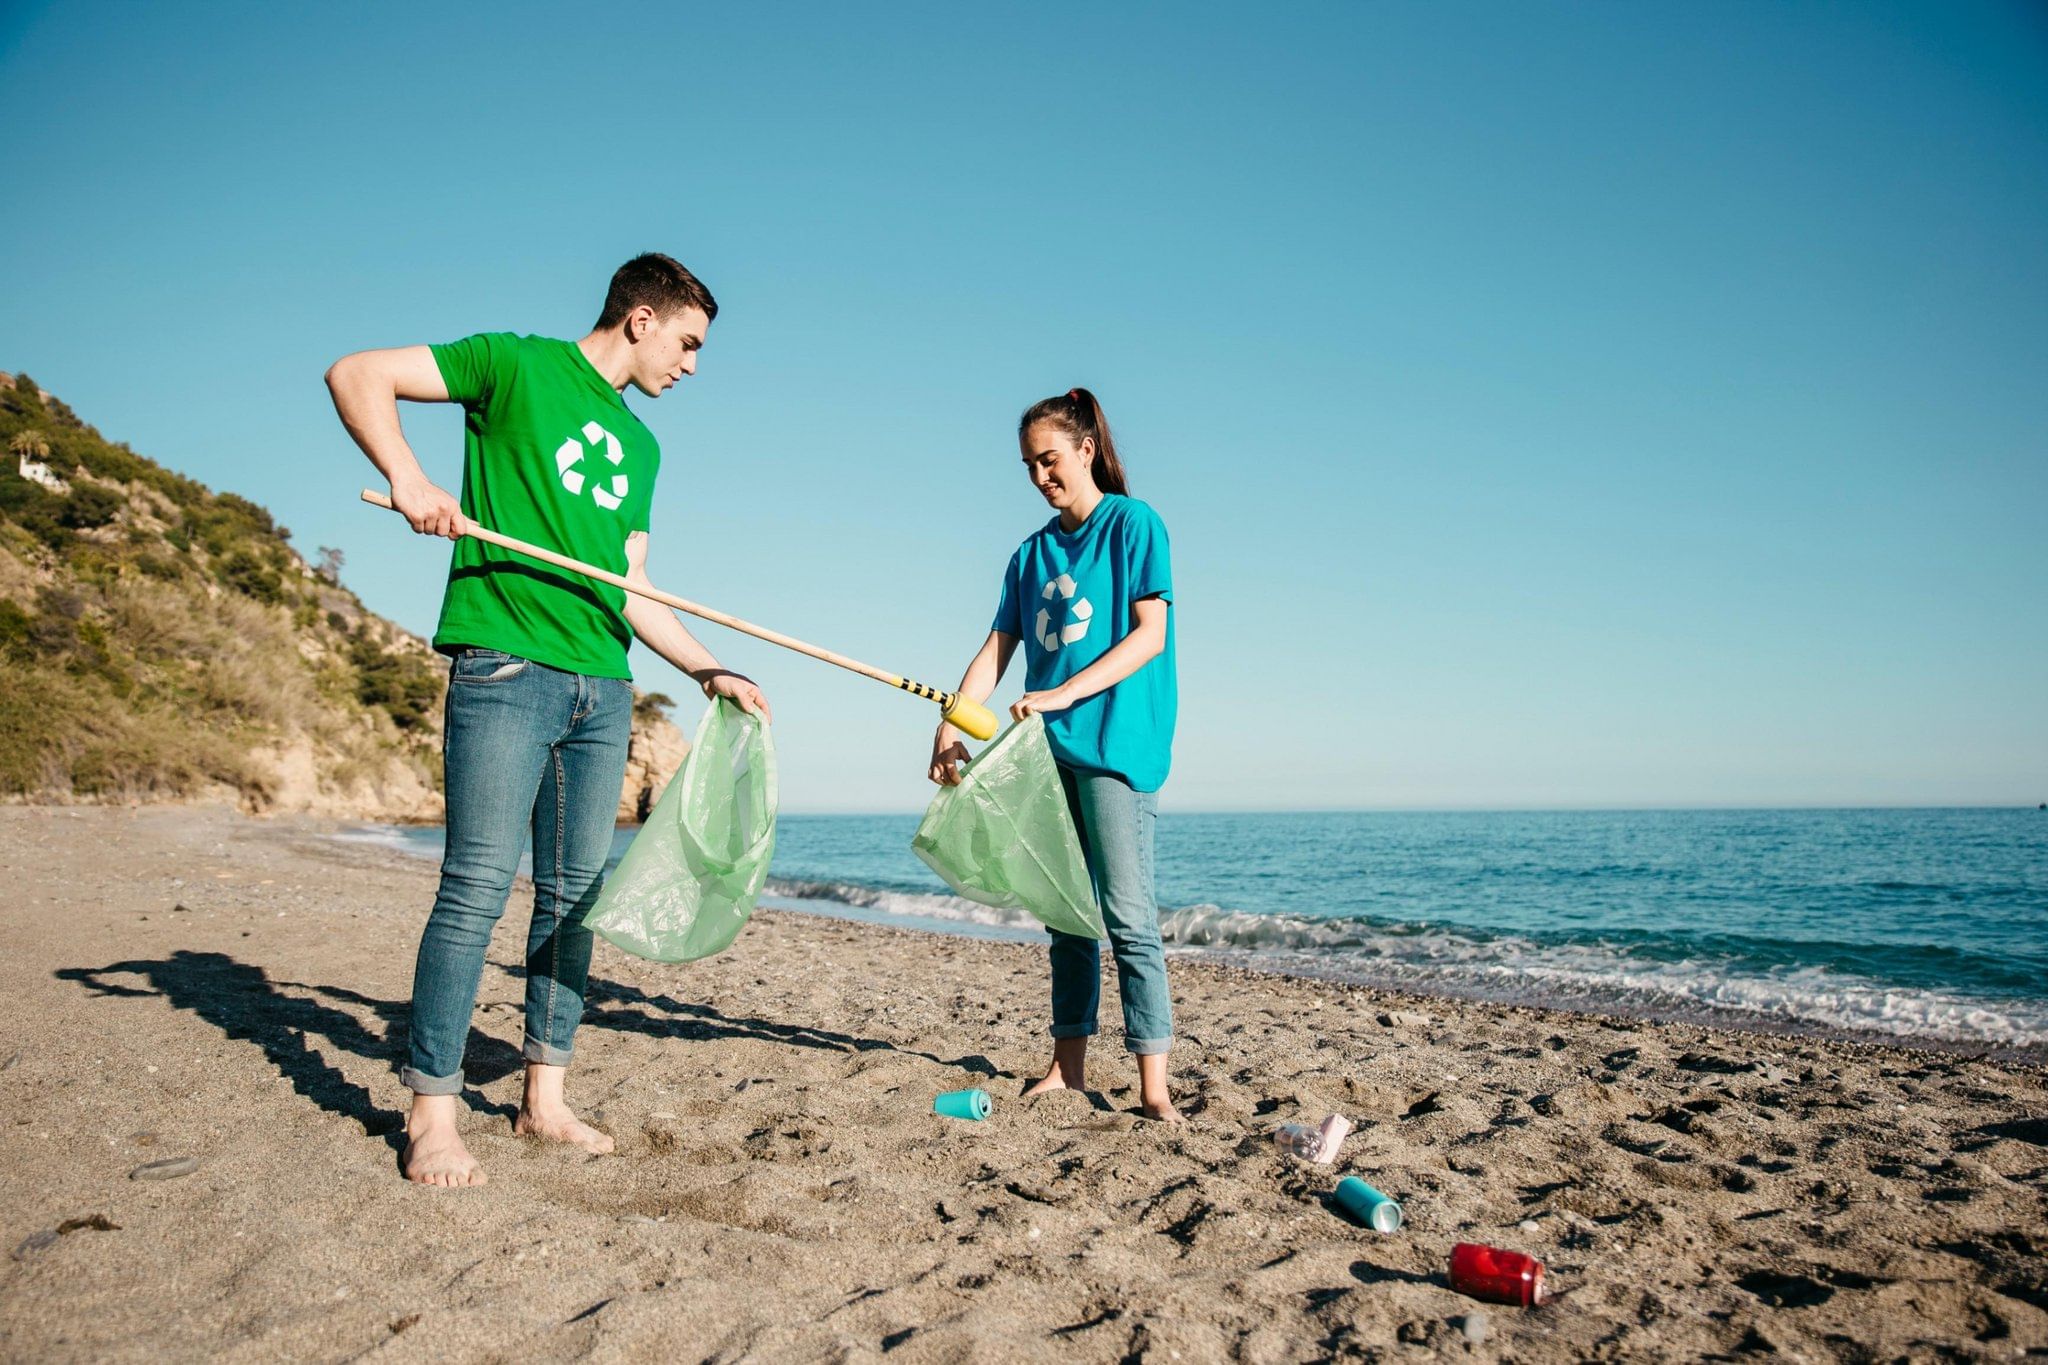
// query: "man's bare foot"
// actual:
[[1052, 1080], [544, 1114], [434, 1154]]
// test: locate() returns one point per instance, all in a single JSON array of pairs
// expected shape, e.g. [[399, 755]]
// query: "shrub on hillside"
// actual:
[[250, 577], [16, 632], [23, 398], [34, 508], [89, 505], [256, 516], [403, 686]]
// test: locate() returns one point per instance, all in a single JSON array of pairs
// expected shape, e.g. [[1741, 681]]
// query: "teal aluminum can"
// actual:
[[962, 1104], [1368, 1205]]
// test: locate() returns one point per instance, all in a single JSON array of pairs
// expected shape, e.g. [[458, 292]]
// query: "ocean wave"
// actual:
[[418, 841], [909, 904], [1599, 979], [1595, 976]]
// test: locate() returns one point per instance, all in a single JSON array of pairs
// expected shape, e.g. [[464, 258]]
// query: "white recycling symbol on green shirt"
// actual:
[[606, 493]]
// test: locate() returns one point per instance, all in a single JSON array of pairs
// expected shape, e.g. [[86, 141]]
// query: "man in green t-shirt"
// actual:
[[540, 701]]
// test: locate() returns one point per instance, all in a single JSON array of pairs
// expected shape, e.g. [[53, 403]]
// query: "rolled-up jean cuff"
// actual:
[[1072, 1030], [422, 1084], [1148, 1047], [537, 1051]]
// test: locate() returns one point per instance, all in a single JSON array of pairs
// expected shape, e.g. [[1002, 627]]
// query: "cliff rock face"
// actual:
[[308, 781], [656, 755]]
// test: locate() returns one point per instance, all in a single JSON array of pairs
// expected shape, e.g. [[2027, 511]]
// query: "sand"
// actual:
[[197, 984]]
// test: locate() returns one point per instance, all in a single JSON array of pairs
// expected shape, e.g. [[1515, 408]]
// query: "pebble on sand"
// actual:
[[1474, 1327], [1404, 1019], [169, 1169]]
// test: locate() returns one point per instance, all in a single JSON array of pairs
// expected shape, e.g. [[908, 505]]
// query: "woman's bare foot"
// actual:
[[1069, 1062], [1153, 1101], [434, 1154], [544, 1114], [560, 1126]]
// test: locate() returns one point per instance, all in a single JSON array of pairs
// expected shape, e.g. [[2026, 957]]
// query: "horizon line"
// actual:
[[1650, 809]]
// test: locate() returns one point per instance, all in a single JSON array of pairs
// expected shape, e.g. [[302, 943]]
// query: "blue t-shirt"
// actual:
[[1068, 599]]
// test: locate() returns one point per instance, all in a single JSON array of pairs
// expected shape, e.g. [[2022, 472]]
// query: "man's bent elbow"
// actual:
[[341, 372]]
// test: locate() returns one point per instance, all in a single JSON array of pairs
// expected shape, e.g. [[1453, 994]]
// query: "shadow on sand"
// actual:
[[663, 1016], [243, 1002], [281, 1018]]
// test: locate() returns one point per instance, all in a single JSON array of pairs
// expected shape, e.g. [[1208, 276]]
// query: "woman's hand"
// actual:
[[948, 753], [1039, 703], [740, 689]]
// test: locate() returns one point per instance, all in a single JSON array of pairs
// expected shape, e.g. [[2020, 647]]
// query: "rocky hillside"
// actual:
[[163, 642]]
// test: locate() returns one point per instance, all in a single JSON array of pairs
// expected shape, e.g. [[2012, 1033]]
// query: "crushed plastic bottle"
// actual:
[[1298, 1140], [1318, 1144]]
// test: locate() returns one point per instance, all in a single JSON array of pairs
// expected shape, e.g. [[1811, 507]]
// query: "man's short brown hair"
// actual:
[[660, 282]]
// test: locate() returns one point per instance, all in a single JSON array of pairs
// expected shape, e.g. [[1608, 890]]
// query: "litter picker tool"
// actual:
[[964, 712]]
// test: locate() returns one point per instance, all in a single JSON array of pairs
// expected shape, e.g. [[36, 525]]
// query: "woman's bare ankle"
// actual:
[[1053, 1080], [1154, 1101], [1068, 1069]]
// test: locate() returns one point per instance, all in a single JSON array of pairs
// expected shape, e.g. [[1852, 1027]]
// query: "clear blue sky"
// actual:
[[1551, 404]]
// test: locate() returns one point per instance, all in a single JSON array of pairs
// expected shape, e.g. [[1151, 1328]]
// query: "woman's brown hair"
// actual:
[[1078, 414]]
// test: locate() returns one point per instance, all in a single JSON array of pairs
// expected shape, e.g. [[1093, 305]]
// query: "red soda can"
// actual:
[[1495, 1275]]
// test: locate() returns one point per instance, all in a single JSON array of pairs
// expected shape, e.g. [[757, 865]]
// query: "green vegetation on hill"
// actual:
[[158, 639]]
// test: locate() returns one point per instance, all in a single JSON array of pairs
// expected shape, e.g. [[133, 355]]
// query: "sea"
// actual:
[[1927, 925]]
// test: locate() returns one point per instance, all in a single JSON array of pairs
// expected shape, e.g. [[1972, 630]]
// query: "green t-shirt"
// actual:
[[552, 456]]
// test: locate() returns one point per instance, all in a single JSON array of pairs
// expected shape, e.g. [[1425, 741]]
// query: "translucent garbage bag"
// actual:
[[688, 882], [1005, 837]]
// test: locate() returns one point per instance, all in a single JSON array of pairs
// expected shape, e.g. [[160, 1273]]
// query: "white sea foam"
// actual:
[[1578, 975], [1601, 977], [396, 837], [909, 904]]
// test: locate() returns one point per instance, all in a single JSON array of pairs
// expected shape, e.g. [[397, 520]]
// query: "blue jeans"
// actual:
[[1115, 823], [527, 748]]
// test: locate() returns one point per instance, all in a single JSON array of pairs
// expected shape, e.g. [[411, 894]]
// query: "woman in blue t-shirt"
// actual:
[[1089, 597]]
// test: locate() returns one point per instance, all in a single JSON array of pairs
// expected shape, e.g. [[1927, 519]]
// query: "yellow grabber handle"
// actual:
[[963, 712]]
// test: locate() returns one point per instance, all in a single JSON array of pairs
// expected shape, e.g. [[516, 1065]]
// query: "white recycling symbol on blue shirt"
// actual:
[[606, 493], [1079, 615]]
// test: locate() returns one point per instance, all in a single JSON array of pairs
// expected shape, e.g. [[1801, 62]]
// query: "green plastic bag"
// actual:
[[687, 884], [1004, 836]]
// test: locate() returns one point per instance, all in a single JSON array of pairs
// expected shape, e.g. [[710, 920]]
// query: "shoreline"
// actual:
[[1697, 1191], [1300, 965]]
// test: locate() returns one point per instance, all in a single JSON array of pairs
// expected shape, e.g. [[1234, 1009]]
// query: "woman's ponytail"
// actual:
[[1077, 413]]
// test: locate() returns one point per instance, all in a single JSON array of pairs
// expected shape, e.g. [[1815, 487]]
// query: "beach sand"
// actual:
[[192, 983]]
